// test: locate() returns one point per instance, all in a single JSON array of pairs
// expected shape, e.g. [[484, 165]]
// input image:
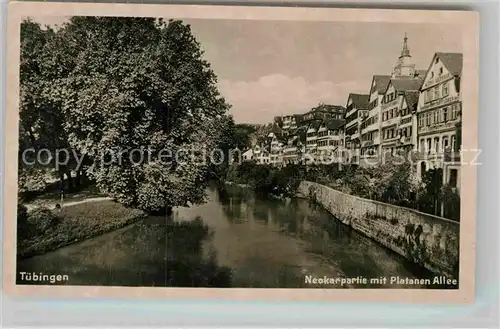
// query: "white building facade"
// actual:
[[439, 117]]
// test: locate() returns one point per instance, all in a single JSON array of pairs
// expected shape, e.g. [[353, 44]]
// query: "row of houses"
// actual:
[[411, 113]]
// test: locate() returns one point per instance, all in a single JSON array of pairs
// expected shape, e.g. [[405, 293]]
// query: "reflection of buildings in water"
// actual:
[[306, 225], [260, 213], [235, 207], [245, 210], [292, 225], [300, 225]]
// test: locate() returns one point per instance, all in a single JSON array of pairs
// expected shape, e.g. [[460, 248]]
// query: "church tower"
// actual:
[[404, 65]]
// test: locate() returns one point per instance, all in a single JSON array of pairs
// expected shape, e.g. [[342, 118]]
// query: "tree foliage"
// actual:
[[129, 95], [430, 194], [451, 203]]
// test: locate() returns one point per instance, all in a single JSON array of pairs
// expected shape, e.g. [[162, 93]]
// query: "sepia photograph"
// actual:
[[226, 152]]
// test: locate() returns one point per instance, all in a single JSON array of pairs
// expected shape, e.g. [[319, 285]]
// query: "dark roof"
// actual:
[[407, 84], [270, 128], [411, 98], [315, 124], [276, 129], [327, 108], [381, 82], [281, 138], [360, 101], [334, 124], [298, 117], [301, 133], [452, 61]]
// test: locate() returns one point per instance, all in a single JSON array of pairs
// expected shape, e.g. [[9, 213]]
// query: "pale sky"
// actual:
[[269, 68]]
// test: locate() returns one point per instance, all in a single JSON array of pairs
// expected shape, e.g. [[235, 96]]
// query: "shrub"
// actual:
[[451, 203], [43, 219], [24, 228]]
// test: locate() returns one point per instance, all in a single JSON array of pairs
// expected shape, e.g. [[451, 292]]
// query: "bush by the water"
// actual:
[[389, 182], [267, 179]]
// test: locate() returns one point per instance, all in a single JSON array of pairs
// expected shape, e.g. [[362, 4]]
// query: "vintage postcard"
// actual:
[[181, 151]]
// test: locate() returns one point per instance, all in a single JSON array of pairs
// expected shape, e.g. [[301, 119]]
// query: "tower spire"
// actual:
[[405, 52]]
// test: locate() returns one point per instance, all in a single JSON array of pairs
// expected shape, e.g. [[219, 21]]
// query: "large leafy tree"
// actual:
[[138, 101], [40, 124]]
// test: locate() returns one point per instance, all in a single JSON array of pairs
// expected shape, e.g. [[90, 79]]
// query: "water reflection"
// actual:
[[308, 240], [236, 239], [153, 252], [187, 264], [132, 256]]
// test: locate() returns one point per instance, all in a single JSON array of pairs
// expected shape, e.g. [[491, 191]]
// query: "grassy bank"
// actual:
[[42, 229]]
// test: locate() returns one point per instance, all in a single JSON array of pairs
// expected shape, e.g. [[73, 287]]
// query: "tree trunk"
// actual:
[[61, 180], [70, 180], [78, 178]]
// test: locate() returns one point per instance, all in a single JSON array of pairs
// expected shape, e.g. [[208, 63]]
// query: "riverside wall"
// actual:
[[430, 241]]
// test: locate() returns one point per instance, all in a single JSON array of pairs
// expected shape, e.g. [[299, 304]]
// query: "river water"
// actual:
[[236, 239]]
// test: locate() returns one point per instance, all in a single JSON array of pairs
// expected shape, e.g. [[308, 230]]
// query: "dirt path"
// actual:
[[52, 204]]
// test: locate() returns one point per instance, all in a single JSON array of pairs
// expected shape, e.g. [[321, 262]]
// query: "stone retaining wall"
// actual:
[[431, 241]]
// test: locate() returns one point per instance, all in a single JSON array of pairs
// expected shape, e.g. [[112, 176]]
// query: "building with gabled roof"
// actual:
[[380, 131], [324, 111], [397, 118], [439, 117], [370, 126], [356, 111], [330, 142]]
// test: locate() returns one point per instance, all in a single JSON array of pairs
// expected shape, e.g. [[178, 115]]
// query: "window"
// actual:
[[428, 119], [445, 89], [436, 93], [422, 145], [445, 114], [440, 70], [445, 143], [432, 75], [429, 143], [421, 120], [436, 144], [453, 177], [453, 147], [436, 116], [437, 60], [455, 110]]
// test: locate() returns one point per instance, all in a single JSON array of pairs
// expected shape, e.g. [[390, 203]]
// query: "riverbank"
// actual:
[[429, 241], [43, 229]]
